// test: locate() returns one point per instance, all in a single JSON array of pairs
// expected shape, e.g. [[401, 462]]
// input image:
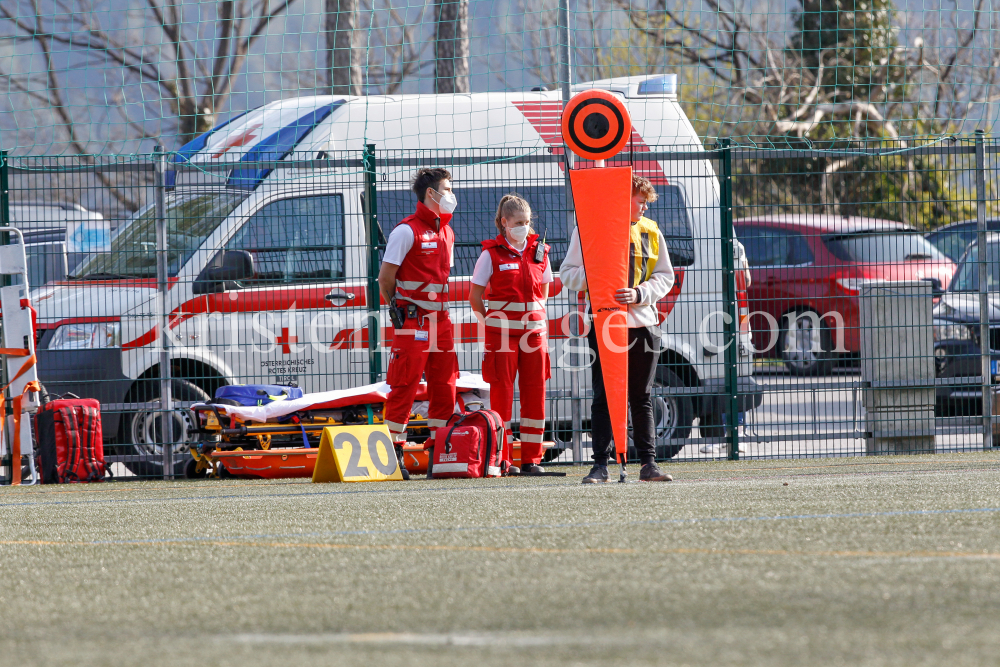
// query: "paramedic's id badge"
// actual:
[[420, 335], [509, 267]]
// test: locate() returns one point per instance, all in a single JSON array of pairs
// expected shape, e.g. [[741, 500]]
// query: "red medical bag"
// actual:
[[470, 445], [70, 444]]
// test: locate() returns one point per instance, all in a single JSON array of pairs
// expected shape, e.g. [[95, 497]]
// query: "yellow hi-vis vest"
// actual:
[[644, 250]]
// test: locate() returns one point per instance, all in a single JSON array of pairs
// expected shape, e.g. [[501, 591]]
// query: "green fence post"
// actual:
[[374, 297], [5, 281], [984, 302], [4, 201], [729, 294], [163, 309]]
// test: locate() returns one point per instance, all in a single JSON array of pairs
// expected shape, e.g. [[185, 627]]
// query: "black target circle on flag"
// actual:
[[596, 124]]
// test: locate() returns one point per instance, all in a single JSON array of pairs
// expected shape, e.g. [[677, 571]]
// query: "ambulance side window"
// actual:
[[473, 222], [670, 211], [298, 240]]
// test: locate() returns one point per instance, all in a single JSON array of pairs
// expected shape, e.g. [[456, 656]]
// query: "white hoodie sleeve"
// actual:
[[571, 270]]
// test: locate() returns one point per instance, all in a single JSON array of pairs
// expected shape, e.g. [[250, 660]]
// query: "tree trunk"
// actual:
[[451, 47], [344, 75], [193, 119]]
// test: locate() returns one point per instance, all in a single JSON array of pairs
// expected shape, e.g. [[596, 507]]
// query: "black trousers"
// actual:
[[642, 357]]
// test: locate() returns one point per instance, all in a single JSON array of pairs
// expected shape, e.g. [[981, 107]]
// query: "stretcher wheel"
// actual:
[[191, 470]]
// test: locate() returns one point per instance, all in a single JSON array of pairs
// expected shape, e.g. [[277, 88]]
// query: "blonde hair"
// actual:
[[509, 205], [642, 185]]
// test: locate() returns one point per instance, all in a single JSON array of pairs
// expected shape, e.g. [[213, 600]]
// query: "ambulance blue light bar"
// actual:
[[277, 146], [659, 85], [185, 152]]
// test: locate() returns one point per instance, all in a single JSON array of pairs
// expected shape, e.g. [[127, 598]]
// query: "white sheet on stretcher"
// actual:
[[262, 413]]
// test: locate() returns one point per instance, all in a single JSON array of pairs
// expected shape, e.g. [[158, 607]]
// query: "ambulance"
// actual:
[[268, 267]]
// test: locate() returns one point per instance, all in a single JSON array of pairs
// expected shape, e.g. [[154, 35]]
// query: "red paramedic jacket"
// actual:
[[515, 298], [422, 278]]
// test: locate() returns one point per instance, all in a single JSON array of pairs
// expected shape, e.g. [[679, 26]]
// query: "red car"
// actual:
[[806, 273]]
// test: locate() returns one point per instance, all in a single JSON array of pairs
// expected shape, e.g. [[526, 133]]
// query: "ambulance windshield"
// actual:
[[191, 218]]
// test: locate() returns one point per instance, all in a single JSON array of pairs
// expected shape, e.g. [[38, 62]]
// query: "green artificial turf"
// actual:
[[873, 561]]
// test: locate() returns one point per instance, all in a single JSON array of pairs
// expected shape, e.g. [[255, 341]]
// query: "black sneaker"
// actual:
[[597, 475], [652, 473], [532, 469]]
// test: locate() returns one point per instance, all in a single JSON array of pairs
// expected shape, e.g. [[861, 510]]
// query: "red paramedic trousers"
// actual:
[[425, 344], [507, 353]]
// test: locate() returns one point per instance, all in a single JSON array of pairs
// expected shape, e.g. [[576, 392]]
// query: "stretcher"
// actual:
[[280, 439]]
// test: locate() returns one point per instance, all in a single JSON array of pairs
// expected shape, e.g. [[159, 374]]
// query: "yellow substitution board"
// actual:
[[356, 454]]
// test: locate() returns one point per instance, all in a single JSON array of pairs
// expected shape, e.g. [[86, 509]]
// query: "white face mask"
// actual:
[[448, 203], [518, 234]]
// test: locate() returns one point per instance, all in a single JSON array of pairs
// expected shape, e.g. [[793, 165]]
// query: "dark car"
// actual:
[[956, 323], [953, 239], [45, 250], [807, 272]]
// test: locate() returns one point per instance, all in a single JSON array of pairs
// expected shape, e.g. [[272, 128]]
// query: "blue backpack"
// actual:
[[257, 394]]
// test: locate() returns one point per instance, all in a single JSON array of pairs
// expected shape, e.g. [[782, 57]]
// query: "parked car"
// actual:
[[45, 250], [29, 215], [258, 257], [47, 255], [806, 274], [953, 239], [57, 237], [956, 323]]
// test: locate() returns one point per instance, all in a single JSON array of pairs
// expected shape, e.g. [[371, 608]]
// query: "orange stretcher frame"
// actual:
[[300, 462], [244, 449]]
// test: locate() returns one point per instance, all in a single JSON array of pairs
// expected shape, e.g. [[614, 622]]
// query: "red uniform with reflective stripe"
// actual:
[[516, 342], [425, 344], [422, 278], [514, 298]]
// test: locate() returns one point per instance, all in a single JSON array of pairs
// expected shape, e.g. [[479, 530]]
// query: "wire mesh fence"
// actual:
[[809, 316], [114, 77]]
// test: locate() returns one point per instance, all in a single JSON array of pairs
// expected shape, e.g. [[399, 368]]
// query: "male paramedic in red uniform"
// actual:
[[414, 276]]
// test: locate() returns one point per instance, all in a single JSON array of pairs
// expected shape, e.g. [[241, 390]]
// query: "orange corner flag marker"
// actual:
[[603, 201]]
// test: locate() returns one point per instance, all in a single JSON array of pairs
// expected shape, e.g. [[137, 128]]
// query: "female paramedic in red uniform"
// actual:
[[515, 268], [414, 281]]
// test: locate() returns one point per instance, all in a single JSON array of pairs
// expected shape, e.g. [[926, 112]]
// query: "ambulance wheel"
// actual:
[[191, 470], [673, 415], [711, 426], [141, 431]]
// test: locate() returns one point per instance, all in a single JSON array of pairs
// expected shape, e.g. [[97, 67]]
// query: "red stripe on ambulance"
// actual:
[[546, 119]]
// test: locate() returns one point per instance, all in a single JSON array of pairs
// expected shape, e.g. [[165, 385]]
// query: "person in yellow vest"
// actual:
[[650, 278]]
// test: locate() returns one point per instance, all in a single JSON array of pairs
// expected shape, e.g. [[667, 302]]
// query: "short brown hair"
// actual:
[[509, 205], [643, 186], [427, 177]]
